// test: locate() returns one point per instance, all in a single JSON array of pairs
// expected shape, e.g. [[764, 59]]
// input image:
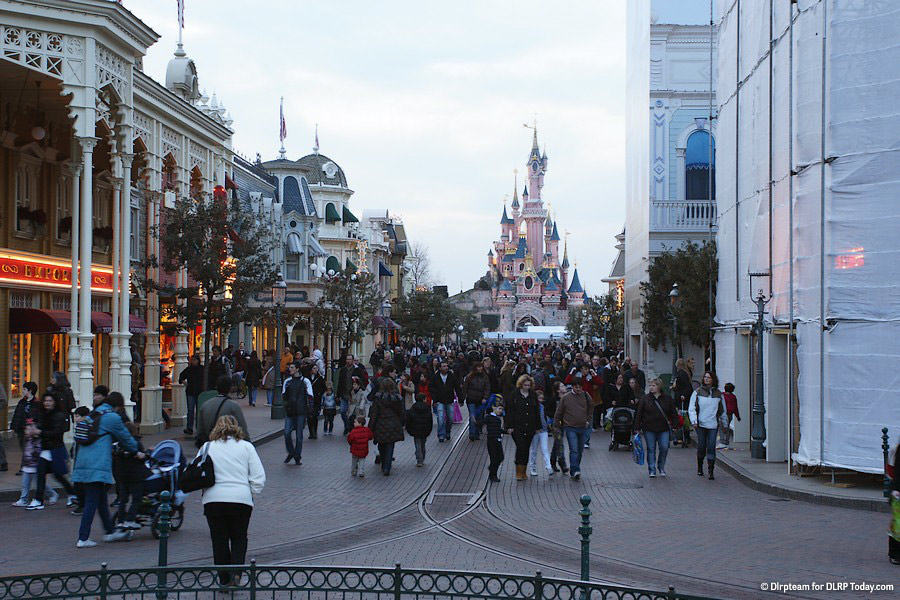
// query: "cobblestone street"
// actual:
[[709, 538]]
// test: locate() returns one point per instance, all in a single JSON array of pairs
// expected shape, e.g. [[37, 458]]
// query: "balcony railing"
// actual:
[[690, 215]]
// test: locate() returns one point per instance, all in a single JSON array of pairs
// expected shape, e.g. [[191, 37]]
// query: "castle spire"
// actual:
[[515, 202], [565, 261]]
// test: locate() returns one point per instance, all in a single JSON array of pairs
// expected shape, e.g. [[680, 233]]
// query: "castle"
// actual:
[[529, 283]]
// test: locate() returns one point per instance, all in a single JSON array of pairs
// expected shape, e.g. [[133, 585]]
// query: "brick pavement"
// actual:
[[643, 536]]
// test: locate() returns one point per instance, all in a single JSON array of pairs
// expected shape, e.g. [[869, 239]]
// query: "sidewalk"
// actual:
[[262, 429], [850, 490]]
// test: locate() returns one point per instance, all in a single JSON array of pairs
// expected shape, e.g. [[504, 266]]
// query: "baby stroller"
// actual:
[[622, 424], [166, 463]]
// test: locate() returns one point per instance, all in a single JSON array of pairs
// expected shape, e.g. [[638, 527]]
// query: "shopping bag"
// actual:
[[457, 413], [638, 449]]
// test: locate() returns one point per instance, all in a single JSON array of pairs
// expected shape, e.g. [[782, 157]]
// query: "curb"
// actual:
[[747, 478], [13, 495]]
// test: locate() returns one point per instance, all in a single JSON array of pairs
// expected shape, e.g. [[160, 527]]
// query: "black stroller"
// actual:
[[166, 463], [622, 427]]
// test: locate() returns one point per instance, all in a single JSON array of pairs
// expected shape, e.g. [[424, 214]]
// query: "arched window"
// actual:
[[697, 167]]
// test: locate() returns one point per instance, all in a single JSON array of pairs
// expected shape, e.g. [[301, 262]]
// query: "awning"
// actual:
[[351, 266], [332, 264], [39, 320], [383, 271], [315, 248], [384, 323], [294, 244], [229, 183], [349, 217], [331, 214]]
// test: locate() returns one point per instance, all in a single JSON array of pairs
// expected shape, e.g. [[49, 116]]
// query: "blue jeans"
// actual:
[[95, 500], [251, 391], [653, 438], [386, 451], [706, 443], [474, 426], [576, 436], [270, 395], [345, 407], [191, 411], [444, 419], [294, 424]]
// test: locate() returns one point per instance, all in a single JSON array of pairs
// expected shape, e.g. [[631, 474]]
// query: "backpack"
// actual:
[[88, 430]]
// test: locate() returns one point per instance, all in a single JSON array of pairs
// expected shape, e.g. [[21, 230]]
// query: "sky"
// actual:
[[423, 104]]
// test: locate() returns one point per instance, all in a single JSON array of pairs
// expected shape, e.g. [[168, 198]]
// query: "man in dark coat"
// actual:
[[444, 387], [419, 423]]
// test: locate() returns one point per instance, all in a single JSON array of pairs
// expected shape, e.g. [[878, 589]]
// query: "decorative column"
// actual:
[[74, 356], [115, 354], [124, 298], [179, 394], [86, 364], [151, 393]]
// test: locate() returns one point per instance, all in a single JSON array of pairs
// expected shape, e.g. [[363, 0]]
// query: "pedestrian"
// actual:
[[53, 423], [558, 450], [219, 365], [444, 387], [573, 416], [26, 409], [252, 375], [216, 407], [682, 390], [731, 412], [268, 381], [93, 469], [475, 390], [493, 424], [62, 391], [359, 402], [654, 417], [295, 393], [706, 408], [386, 421], [31, 454], [193, 375], [540, 440], [419, 423], [329, 409], [523, 420], [359, 438], [78, 415], [314, 401], [228, 503], [345, 390], [408, 390], [130, 477]]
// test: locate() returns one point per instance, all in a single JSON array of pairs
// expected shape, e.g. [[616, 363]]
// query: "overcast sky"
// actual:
[[422, 105]]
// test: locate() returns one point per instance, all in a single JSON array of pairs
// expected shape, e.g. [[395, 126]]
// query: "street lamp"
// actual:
[[605, 316], [584, 325], [385, 315], [758, 429], [459, 335], [673, 303], [279, 288]]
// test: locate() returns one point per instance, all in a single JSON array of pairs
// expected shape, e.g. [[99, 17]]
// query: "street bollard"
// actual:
[[165, 509], [886, 447], [585, 530]]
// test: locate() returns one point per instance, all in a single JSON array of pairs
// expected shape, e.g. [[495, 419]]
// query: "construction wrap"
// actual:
[[842, 129]]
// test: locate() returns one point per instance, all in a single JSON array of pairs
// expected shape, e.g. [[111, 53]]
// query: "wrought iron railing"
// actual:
[[301, 583]]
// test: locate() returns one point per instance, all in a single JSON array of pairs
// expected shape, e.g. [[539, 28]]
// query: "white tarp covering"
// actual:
[[847, 394]]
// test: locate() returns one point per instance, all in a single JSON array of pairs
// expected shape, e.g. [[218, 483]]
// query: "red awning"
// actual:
[[230, 184], [40, 320]]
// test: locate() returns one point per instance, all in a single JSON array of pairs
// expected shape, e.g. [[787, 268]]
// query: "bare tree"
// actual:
[[420, 265]]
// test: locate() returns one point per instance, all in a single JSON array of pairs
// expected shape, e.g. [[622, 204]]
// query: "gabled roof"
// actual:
[[575, 287], [554, 237], [551, 286], [506, 286]]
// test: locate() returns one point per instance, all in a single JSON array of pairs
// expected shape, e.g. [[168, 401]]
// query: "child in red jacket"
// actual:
[[731, 410], [358, 438]]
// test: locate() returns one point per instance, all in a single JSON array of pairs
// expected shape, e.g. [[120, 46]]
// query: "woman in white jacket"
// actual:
[[705, 409], [228, 503]]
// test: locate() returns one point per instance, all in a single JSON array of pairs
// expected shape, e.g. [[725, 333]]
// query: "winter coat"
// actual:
[[731, 405], [193, 374], [522, 412], [93, 463], [386, 418], [476, 388], [705, 407], [358, 438], [131, 469], [419, 420], [359, 404], [622, 396], [442, 391], [206, 416], [53, 425], [574, 410], [253, 372], [317, 356], [68, 397], [295, 397], [649, 418], [682, 387], [25, 409]]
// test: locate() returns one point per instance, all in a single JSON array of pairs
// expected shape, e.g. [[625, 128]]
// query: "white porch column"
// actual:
[[179, 393], [86, 364], [124, 298], [115, 354], [74, 356], [151, 393]]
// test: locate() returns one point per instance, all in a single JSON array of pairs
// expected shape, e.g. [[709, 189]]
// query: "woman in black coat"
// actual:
[[655, 414], [315, 403], [523, 419], [253, 375], [476, 389], [386, 418], [53, 423], [419, 424]]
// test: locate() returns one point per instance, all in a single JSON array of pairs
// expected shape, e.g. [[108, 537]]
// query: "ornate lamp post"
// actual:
[[758, 430], [279, 288], [673, 303], [459, 335]]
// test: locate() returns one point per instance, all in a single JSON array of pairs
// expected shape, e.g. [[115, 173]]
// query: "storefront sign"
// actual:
[[39, 271]]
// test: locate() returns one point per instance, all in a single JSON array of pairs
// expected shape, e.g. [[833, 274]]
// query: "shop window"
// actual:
[[291, 266], [21, 300], [60, 347], [100, 304], [19, 362], [60, 302]]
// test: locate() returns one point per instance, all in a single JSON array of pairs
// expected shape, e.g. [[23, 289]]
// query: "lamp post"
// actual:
[[279, 288], [673, 303], [758, 429], [459, 335], [385, 315], [584, 325], [605, 316]]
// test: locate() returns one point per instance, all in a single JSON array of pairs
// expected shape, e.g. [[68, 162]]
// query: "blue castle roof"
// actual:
[[575, 287]]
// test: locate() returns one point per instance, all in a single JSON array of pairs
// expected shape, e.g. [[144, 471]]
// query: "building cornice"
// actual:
[[144, 84]]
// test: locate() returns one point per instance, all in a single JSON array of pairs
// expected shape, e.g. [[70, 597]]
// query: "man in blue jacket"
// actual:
[[93, 469]]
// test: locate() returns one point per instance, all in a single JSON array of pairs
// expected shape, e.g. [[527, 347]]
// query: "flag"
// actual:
[[283, 132], [181, 14]]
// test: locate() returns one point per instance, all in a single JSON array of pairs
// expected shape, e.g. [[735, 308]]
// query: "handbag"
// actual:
[[457, 413], [60, 461], [638, 449], [200, 473]]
